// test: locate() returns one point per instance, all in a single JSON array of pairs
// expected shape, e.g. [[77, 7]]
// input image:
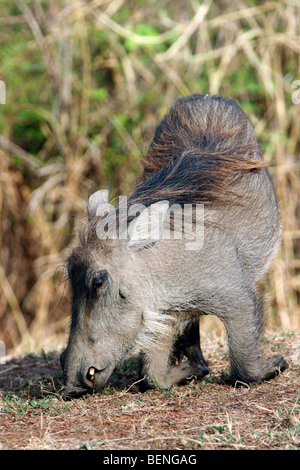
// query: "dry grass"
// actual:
[[208, 414], [108, 71]]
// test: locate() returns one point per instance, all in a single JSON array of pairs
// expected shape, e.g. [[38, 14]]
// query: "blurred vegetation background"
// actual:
[[86, 84]]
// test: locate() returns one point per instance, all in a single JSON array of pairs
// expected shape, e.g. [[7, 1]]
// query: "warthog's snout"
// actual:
[[82, 379]]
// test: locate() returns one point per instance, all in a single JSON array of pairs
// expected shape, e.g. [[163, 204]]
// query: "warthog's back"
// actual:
[[205, 151]]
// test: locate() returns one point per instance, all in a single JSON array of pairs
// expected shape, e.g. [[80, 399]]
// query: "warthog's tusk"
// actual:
[[91, 373]]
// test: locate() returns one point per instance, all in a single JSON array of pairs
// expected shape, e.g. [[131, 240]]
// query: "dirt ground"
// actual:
[[206, 414]]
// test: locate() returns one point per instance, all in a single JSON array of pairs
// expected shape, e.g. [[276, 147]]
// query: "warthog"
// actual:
[[148, 292]]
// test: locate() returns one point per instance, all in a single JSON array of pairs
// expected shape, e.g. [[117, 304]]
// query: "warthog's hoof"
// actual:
[[277, 364]]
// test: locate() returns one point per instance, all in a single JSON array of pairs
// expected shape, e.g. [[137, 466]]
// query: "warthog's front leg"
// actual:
[[188, 344], [158, 366]]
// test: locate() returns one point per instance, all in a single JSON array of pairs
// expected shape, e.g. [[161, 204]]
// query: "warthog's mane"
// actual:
[[200, 150]]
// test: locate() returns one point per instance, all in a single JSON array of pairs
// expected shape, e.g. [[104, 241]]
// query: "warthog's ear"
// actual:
[[148, 226], [97, 203]]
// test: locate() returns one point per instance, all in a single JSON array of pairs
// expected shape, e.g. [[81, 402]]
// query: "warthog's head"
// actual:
[[111, 303]]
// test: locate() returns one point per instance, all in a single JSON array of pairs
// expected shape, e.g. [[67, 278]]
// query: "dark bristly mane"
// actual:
[[199, 151]]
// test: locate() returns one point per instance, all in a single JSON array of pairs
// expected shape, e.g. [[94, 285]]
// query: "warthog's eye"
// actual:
[[122, 294], [99, 280]]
